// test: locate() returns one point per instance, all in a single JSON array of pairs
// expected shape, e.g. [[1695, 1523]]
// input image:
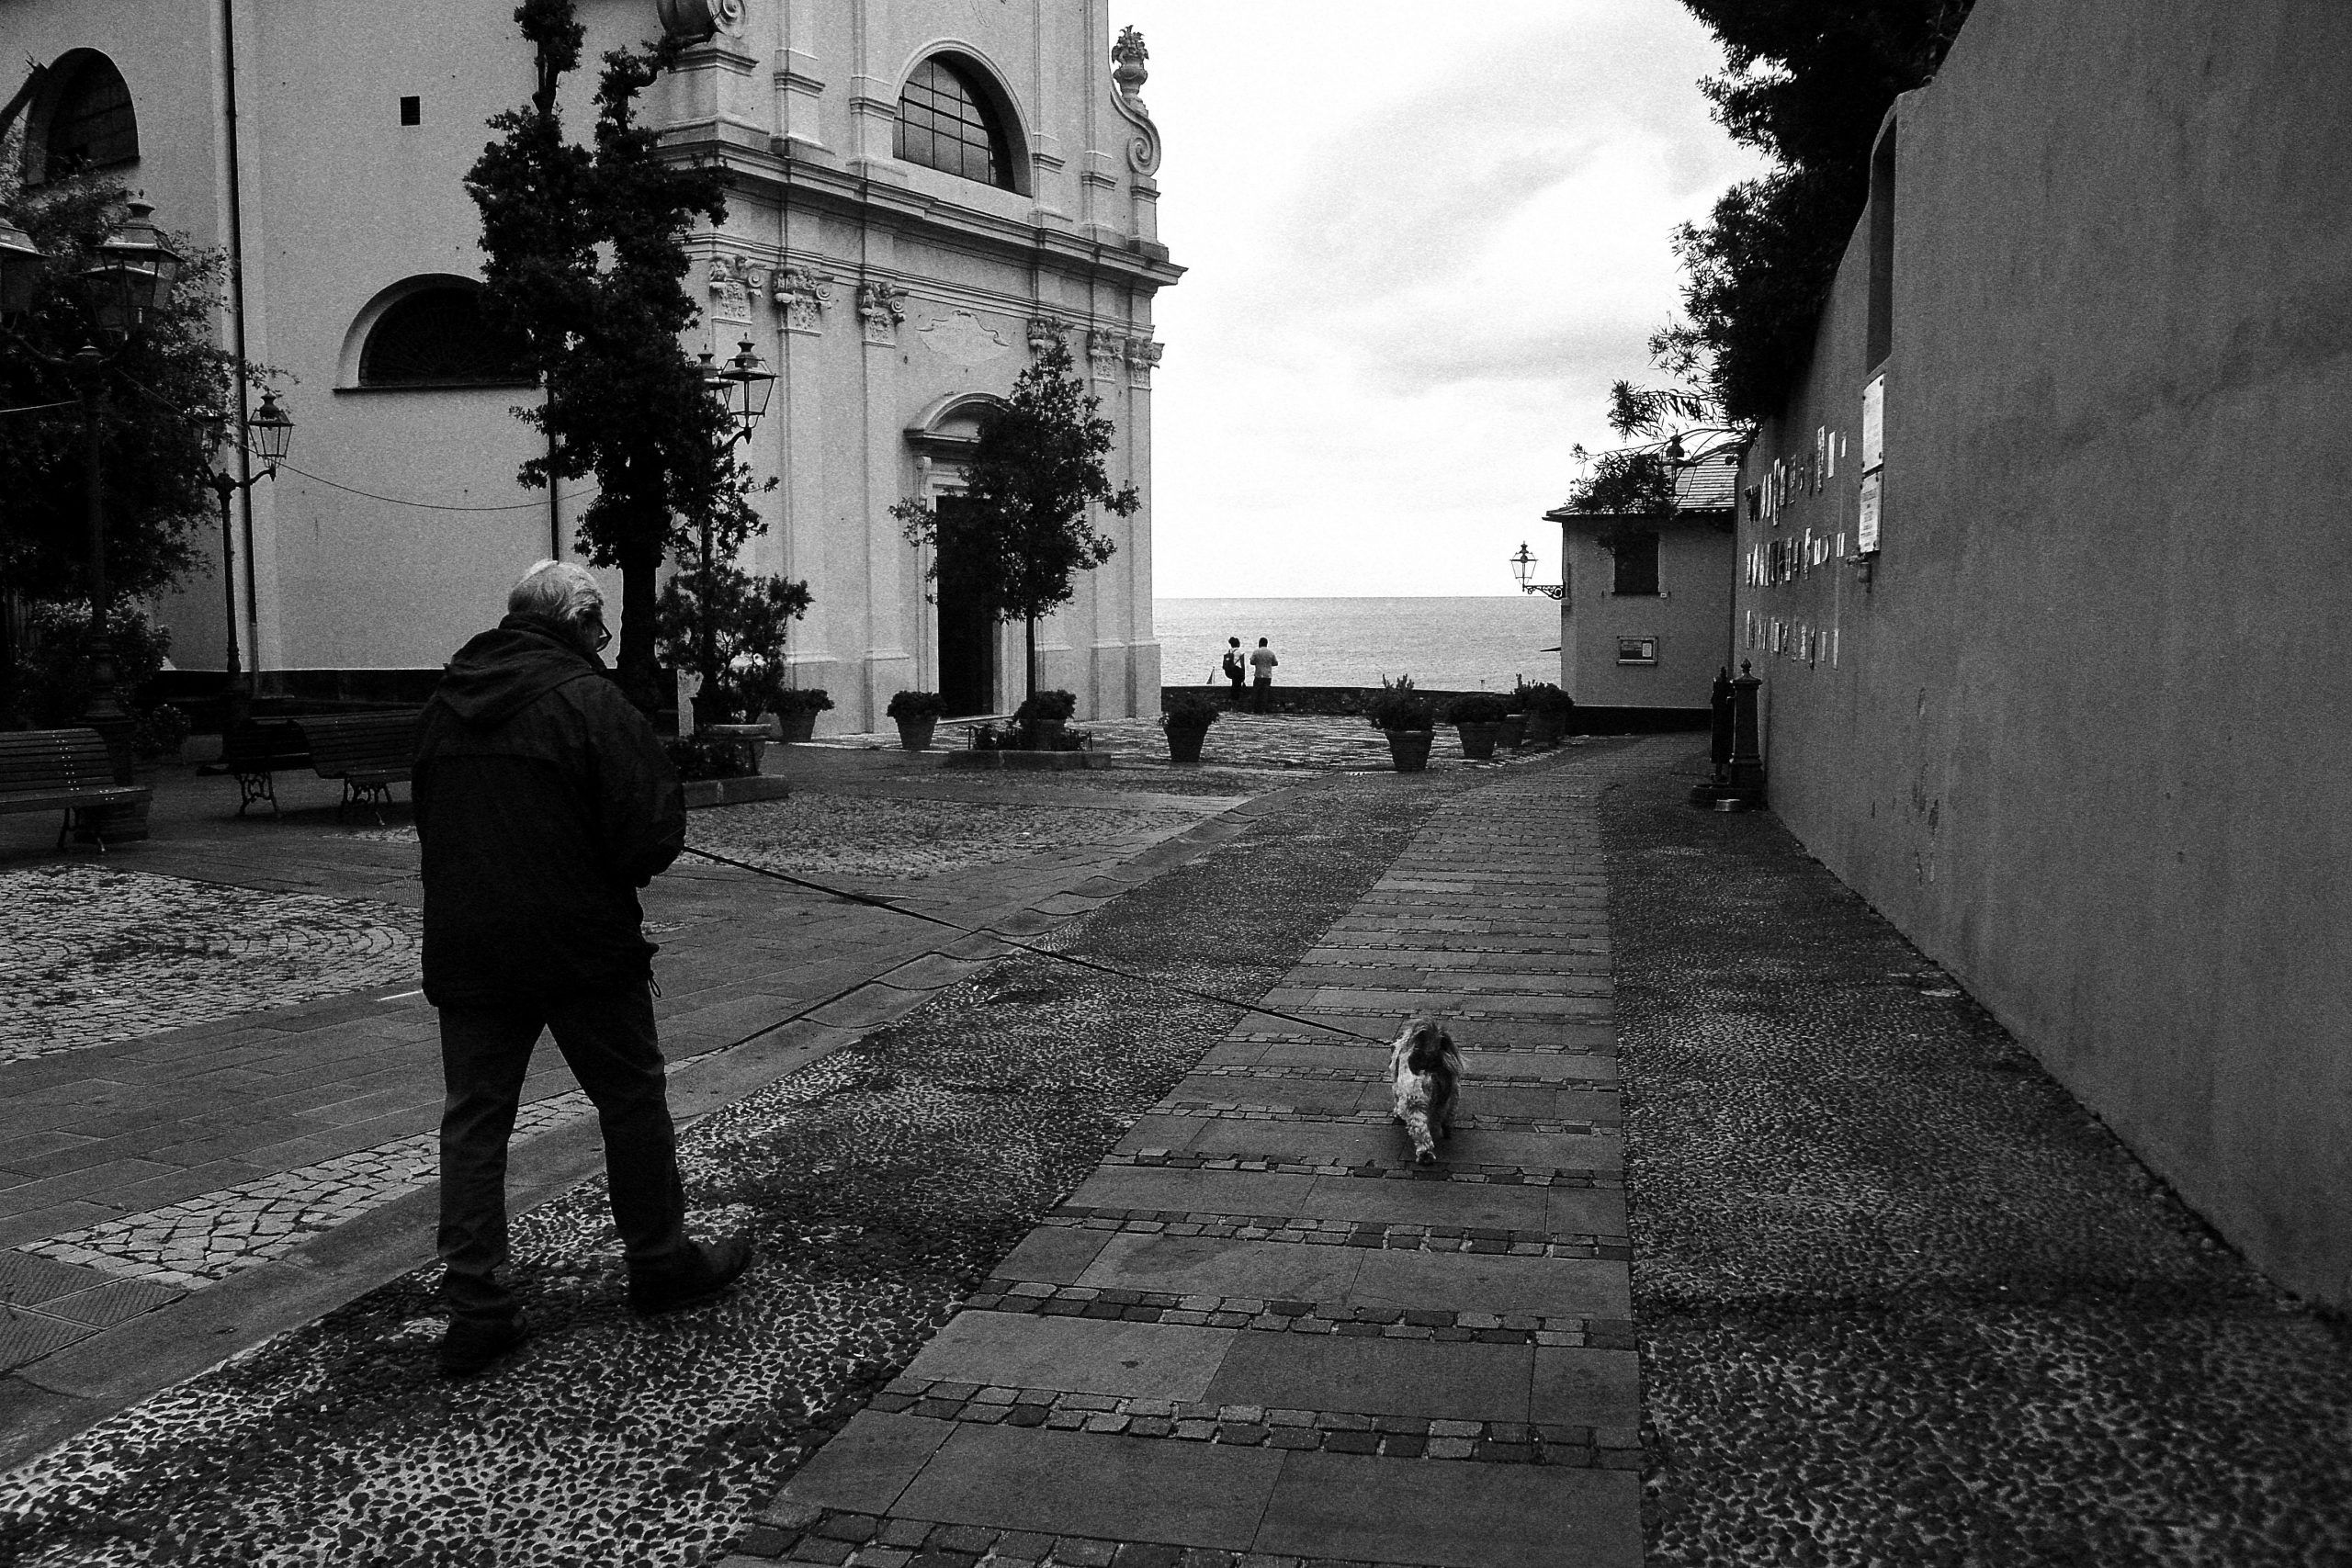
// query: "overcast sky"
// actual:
[[1422, 241]]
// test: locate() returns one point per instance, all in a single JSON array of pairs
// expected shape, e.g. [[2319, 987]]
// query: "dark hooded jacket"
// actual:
[[544, 802]]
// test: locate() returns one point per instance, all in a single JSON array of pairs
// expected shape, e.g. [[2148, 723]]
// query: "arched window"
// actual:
[[947, 121], [438, 337], [93, 125]]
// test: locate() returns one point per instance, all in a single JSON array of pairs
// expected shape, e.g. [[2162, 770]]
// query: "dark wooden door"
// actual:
[[968, 633]]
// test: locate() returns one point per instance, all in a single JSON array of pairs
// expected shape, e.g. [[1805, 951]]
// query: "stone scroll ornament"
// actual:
[[1105, 351], [735, 282], [802, 293], [1128, 73], [882, 306], [1142, 355], [695, 20], [1045, 332]]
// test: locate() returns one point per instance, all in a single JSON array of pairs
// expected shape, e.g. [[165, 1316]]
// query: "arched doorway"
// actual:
[[970, 639]]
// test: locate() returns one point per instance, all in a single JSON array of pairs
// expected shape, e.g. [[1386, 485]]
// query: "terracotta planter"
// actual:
[[1478, 740], [1410, 749], [1545, 728], [798, 726], [1185, 741], [914, 734], [1512, 731]]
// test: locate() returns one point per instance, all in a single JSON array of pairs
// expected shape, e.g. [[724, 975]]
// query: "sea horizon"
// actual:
[[1448, 642]]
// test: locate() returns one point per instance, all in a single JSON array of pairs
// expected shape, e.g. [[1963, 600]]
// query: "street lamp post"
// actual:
[[741, 389], [270, 432], [1522, 566]]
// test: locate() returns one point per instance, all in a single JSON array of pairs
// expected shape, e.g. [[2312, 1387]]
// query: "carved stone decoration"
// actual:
[[1127, 69], [1046, 331], [1142, 355], [1103, 352], [1129, 75], [694, 20], [962, 338], [734, 281], [882, 306], [803, 292]]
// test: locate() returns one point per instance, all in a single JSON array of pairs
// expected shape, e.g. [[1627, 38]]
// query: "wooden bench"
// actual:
[[255, 750], [67, 769], [368, 752]]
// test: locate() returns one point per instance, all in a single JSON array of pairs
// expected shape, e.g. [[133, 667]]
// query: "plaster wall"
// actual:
[[2076, 728], [343, 205], [1689, 618]]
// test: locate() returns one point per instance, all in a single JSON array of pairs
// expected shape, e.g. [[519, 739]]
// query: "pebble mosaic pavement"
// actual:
[[205, 1239], [90, 956], [898, 839], [881, 1183], [1902, 1300]]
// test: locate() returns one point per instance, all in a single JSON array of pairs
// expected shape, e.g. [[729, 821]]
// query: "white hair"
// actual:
[[560, 590]]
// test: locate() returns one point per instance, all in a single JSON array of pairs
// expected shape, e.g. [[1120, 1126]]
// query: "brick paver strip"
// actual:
[[1069, 1474]]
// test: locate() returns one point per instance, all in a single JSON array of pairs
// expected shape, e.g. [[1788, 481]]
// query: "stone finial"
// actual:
[[1127, 57]]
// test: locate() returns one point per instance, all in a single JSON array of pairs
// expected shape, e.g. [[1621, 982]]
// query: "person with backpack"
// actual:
[[1235, 670]]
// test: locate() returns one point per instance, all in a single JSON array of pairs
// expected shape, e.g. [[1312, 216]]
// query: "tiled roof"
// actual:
[[1710, 485]]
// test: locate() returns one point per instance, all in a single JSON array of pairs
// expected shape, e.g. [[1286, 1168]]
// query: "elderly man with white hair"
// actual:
[[545, 801]]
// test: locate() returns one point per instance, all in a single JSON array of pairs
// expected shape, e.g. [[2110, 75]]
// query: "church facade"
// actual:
[[922, 193]]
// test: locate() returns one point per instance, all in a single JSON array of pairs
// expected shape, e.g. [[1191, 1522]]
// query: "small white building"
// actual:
[[920, 192], [1646, 627]]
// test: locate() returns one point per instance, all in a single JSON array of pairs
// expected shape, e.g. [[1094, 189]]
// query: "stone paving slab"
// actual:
[[1258, 1328]]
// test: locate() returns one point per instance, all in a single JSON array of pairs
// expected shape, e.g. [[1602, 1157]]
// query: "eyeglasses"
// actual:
[[603, 639]]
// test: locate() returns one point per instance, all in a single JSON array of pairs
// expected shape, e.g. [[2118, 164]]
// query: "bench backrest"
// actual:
[[342, 742], [39, 759], [263, 745]]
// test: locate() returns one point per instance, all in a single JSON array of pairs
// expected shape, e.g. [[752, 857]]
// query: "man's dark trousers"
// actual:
[[609, 1042]]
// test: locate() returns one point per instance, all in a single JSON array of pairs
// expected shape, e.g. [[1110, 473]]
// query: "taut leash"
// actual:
[[991, 935]]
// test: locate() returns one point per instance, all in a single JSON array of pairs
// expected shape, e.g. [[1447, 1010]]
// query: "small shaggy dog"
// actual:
[[1426, 1072]]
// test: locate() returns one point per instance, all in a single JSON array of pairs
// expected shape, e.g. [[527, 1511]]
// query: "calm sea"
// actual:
[[1445, 644]]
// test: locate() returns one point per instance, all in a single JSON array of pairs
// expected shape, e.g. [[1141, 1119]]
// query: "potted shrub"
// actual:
[[1038, 720], [796, 709], [916, 714], [1477, 716], [1547, 713], [1186, 716], [1408, 718], [157, 735]]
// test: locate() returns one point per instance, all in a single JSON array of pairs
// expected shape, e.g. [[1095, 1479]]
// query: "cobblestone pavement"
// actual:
[[1246, 740], [882, 1183], [1902, 1299], [237, 1100], [91, 956]]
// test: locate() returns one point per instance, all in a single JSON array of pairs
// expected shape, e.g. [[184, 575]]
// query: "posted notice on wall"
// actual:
[[1866, 530], [1874, 423]]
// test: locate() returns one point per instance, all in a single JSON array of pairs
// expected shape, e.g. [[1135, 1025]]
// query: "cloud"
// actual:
[[1420, 250]]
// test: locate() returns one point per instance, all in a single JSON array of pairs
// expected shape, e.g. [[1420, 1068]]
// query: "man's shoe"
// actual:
[[471, 1346], [708, 1267]]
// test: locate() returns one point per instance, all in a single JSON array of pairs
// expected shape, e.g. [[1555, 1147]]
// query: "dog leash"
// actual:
[[988, 933]]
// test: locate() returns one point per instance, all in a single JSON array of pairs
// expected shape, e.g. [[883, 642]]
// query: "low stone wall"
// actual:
[[1344, 701]]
